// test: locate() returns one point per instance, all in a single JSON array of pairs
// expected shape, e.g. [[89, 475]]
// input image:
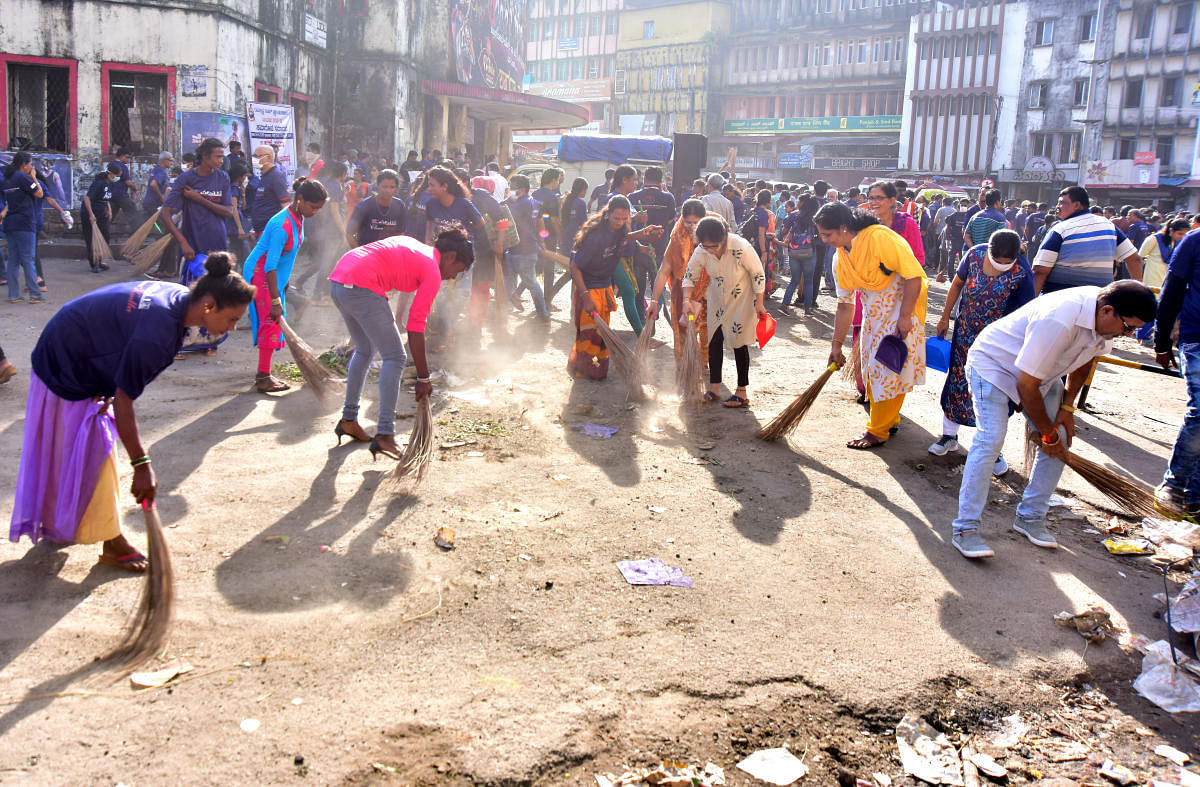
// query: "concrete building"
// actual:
[[1152, 106], [961, 100], [82, 78], [665, 54], [814, 88], [571, 55]]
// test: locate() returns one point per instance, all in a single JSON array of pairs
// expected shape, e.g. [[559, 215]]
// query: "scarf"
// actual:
[[874, 246]]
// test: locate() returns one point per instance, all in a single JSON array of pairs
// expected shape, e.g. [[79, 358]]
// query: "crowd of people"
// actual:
[[1035, 295]]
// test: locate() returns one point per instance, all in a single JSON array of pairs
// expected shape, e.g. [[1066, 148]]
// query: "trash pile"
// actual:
[[669, 774]]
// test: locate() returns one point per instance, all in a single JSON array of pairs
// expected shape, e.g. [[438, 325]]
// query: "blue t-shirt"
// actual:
[[372, 221], [414, 225], [203, 229], [99, 193], [525, 212], [487, 206], [577, 214], [548, 206], [18, 193], [660, 210], [1180, 296], [238, 201], [119, 189], [151, 201], [119, 336], [598, 256], [460, 214], [270, 197]]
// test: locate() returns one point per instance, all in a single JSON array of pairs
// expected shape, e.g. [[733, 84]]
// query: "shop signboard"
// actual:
[[834, 125]]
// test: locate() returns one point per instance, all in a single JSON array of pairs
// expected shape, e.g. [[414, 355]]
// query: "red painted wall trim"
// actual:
[[106, 69], [72, 106], [278, 91]]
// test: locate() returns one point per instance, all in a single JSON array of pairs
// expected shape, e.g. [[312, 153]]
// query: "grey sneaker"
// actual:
[[1036, 532], [970, 544], [945, 444]]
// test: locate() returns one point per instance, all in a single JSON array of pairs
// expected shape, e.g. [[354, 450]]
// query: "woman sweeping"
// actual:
[[994, 279], [675, 260], [598, 250], [878, 265], [93, 359], [269, 267], [360, 284], [735, 301]]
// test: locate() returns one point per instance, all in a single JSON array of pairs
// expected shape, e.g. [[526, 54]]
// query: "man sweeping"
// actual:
[[1017, 363]]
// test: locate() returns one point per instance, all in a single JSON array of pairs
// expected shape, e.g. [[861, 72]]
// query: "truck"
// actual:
[[587, 156]]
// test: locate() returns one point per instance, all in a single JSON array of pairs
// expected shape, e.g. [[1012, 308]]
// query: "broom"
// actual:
[[419, 451], [641, 353], [500, 286], [144, 260], [790, 418], [149, 627], [622, 357], [131, 246], [100, 249], [1125, 492], [687, 373], [319, 377]]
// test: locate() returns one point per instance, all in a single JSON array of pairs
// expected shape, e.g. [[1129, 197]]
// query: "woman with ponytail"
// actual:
[[93, 359], [269, 268]]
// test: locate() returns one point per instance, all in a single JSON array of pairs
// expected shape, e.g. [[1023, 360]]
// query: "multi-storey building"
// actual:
[[960, 100], [814, 88], [664, 64], [571, 54], [1152, 104]]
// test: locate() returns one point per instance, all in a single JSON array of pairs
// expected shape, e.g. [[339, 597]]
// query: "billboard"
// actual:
[[274, 125], [488, 39], [822, 124], [195, 127], [1113, 173], [579, 91]]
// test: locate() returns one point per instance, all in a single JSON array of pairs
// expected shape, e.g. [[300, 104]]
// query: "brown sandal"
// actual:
[[865, 443], [270, 384]]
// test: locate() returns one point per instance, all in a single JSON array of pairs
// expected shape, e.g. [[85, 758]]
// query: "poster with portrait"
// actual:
[[195, 127], [488, 39], [53, 172]]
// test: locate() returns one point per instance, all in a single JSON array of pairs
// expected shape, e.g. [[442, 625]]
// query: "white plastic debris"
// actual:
[[1172, 754], [250, 725], [926, 753], [774, 766], [1165, 684]]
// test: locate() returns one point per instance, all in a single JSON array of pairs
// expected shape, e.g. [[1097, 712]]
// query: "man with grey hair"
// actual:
[[715, 202], [273, 193]]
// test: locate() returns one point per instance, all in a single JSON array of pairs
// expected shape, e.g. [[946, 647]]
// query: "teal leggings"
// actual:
[[623, 278]]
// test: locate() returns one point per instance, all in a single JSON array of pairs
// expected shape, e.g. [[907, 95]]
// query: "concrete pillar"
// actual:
[[437, 124], [456, 129]]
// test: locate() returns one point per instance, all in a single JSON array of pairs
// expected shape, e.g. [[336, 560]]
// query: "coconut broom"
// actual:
[[135, 241], [641, 353], [149, 627], [687, 372], [144, 260], [320, 378], [622, 357], [100, 249], [784, 423], [419, 451], [1125, 492]]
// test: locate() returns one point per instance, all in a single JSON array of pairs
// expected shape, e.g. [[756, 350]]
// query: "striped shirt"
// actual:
[[981, 226], [1081, 250]]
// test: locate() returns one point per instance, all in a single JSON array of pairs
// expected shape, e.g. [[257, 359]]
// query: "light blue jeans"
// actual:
[[21, 248], [802, 268], [1183, 473], [525, 267], [373, 329], [991, 419]]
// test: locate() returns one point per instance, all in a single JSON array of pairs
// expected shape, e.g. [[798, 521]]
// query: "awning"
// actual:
[[516, 110], [1173, 180]]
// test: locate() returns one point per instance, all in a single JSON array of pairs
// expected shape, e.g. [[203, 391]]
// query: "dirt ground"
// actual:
[[827, 601]]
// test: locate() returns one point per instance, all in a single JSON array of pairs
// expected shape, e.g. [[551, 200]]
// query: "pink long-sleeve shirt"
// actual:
[[395, 264]]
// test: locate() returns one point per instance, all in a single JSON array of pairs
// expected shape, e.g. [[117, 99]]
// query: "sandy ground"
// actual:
[[827, 600]]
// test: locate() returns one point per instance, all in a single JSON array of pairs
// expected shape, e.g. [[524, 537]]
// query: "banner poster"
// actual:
[[195, 127], [488, 37], [274, 125]]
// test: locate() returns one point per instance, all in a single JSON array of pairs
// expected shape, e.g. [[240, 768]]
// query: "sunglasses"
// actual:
[[710, 246], [1126, 329]]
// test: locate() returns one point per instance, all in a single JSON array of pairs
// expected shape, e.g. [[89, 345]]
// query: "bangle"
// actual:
[[141, 460], [423, 379], [276, 301], [1066, 408], [1047, 441]]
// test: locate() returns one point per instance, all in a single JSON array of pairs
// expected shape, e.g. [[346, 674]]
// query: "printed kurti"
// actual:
[[734, 279]]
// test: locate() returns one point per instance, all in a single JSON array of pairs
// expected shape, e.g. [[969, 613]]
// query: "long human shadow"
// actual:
[[35, 599], [979, 611], [290, 566]]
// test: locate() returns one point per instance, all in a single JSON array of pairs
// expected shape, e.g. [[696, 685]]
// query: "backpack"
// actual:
[[749, 231], [799, 241]]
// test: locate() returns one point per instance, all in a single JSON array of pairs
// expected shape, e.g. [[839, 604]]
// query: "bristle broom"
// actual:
[[687, 372], [144, 260], [790, 418], [1125, 492], [641, 353], [622, 356], [100, 249], [319, 377], [149, 626], [419, 451], [135, 241]]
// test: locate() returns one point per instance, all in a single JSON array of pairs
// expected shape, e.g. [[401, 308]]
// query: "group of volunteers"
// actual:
[[1020, 328]]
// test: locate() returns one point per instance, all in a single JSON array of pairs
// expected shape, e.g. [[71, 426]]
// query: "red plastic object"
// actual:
[[765, 330]]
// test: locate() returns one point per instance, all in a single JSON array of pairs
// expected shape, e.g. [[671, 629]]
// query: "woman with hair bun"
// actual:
[[269, 268], [93, 359], [360, 284]]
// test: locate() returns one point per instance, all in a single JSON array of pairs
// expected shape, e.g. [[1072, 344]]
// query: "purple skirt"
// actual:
[[66, 444]]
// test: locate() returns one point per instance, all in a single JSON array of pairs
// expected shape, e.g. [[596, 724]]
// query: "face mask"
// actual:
[[998, 266]]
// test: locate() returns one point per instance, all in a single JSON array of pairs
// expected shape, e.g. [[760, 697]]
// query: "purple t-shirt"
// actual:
[[203, 229], [461, 214], [273, 193]]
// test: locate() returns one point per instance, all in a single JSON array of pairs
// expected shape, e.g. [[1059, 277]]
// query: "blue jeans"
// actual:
[[372, 329], [21, 248], [802, 268], [1183, 472], [991, 419], [525, 268]]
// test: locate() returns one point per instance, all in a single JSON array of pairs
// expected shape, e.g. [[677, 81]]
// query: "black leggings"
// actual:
[[716, 356]]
